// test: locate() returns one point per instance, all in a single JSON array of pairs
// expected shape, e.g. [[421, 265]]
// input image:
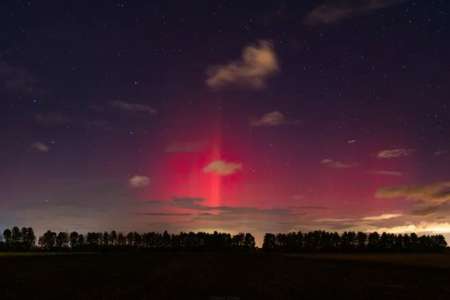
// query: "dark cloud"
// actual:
[[165, 214], [310, 207], [440, 152], [332, 11], [133, 107], [386, 173], [427, 199], [185, 147], [17, 79], [55, 119], [52, 119], [189, 203], [335, 164], [196, 204], [272, 119], [40, 147]]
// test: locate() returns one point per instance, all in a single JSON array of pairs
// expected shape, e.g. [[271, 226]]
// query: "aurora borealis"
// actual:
[[220, 115]]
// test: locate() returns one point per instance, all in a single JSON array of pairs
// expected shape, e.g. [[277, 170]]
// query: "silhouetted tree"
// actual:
[[62, 240], [16, 237], [315, 241], [121, 240], [113, 238], [361, 238], [130, 239], [74, 240], [7, 235], [105, 239], [373, 241], [269, 242], [249, 241], [319, 241], [93, 240], [81, 241], [238, 240], [48, 240]]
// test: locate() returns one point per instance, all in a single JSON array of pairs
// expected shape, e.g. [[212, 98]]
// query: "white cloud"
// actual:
[[139, 181], [40, 147], [337, 164], [257, 64], [222, 168], [395, 153], [381, 217], [133, 107]]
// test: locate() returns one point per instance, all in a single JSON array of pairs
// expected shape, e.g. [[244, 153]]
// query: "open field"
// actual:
[[37, 254], [433, 260], [224, 276]]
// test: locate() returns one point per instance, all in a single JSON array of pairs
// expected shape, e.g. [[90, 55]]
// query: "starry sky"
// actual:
[[263, 116]]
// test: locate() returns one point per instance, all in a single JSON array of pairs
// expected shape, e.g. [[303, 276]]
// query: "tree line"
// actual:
[[323, 241], [24, 239]]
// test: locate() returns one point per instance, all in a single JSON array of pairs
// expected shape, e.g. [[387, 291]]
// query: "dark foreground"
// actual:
[[224, 276]]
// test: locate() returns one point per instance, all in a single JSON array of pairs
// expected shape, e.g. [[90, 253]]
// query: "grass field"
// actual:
[[224, 276]]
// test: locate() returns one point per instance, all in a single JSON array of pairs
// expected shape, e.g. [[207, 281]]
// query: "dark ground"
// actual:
[[224, 276]]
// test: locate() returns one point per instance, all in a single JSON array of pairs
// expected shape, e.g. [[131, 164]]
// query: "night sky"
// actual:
[[225, 115]]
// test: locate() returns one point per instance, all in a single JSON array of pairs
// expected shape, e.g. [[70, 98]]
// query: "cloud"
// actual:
[[239, 210], [165, 214], [271, 119], [394, 153], [427, 199], [297, 197], [133, 107], [381, 217], [310, 207], [386, 173], [257, 64], [16, 79], [337, 164], [422, 227], [333, 11], [139, 181], [222, 168], [52, 119], [334, 220], [361, 220], [189, 203], [440, 152], [188, 147], [40, 147], [193, 203]]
